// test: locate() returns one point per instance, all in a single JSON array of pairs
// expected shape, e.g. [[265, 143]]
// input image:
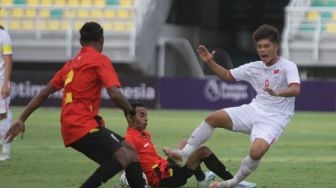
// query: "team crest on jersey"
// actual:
[[143, 135], [276, 71]]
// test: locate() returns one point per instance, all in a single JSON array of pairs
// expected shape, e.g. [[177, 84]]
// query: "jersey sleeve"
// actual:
[[292, 74], [240, 73], [108, 74], [57, 81], [7, 44]]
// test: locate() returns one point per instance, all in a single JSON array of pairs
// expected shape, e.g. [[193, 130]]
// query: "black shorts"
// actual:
[[99, 145], [179, 178]]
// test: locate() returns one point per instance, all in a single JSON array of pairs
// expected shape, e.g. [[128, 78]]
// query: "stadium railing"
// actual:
[[52, 25], [308, 33]]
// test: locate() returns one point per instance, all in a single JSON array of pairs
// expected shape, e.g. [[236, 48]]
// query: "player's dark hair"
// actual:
[[135, 105], [91, 32], [266, 32]]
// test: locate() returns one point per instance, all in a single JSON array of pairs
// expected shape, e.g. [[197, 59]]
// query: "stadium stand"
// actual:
[[47, 30], [310, 32], [45, 35]]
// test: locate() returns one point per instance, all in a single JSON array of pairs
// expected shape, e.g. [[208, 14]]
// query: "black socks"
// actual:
[[134, 175], [199, 174], [102, 174], [215, 165]]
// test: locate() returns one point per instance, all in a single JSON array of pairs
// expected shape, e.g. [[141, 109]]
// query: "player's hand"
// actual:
[[204, 54], [16, 128], [5, 91], [271, 91]]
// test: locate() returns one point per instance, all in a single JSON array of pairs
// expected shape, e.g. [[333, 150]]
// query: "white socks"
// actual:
[[200, 135], [4, 126], [247, 166]]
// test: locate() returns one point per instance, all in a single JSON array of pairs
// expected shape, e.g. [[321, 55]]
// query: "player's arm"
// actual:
[[119, 99], [207, 58], [291, 91], [7, 74], [293, 88], [18, 126]]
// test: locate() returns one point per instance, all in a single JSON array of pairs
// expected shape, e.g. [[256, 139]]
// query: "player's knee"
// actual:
[[256, 154], [258, 149], [131, 152], [211, 119], [133, 155], [219, 118], [123, 156], [204, 151]]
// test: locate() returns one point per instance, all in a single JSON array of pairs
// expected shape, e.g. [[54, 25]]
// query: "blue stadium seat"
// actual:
[[20, 2], [56, 13], [112, 2]]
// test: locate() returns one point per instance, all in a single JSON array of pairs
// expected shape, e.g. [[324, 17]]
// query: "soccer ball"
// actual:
[[124, 182]]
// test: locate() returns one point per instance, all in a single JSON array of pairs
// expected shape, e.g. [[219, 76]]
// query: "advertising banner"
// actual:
[[179, 93], [212, 93], [207, 93], [317, 95], [25, 85]]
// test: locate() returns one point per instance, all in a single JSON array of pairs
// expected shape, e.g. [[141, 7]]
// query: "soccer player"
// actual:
[[162, 172], [276, 81], [6, 64], [82, 79]]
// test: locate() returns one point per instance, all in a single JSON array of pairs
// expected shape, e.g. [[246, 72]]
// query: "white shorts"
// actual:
[[256, 123], [4, 102]]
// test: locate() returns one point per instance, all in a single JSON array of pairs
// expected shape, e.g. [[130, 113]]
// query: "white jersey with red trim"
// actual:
[[5, 49], [278, 76]]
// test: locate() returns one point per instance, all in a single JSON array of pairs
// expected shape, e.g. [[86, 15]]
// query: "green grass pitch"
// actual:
[[305, 156]]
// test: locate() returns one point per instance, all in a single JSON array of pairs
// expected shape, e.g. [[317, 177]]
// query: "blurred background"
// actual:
[[152, 44]]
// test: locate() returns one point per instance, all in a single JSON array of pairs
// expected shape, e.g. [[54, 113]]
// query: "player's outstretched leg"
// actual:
[[105, 171], [133, 170], [134, 175], [248, 165], [200, 135], [4, 126]]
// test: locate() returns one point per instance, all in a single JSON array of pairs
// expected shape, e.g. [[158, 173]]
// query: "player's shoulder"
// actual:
[[287, 63], [100, 58], [4, 34], [103, 57], [95, 59], [66, 65], [254, 64], [129, 137]]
